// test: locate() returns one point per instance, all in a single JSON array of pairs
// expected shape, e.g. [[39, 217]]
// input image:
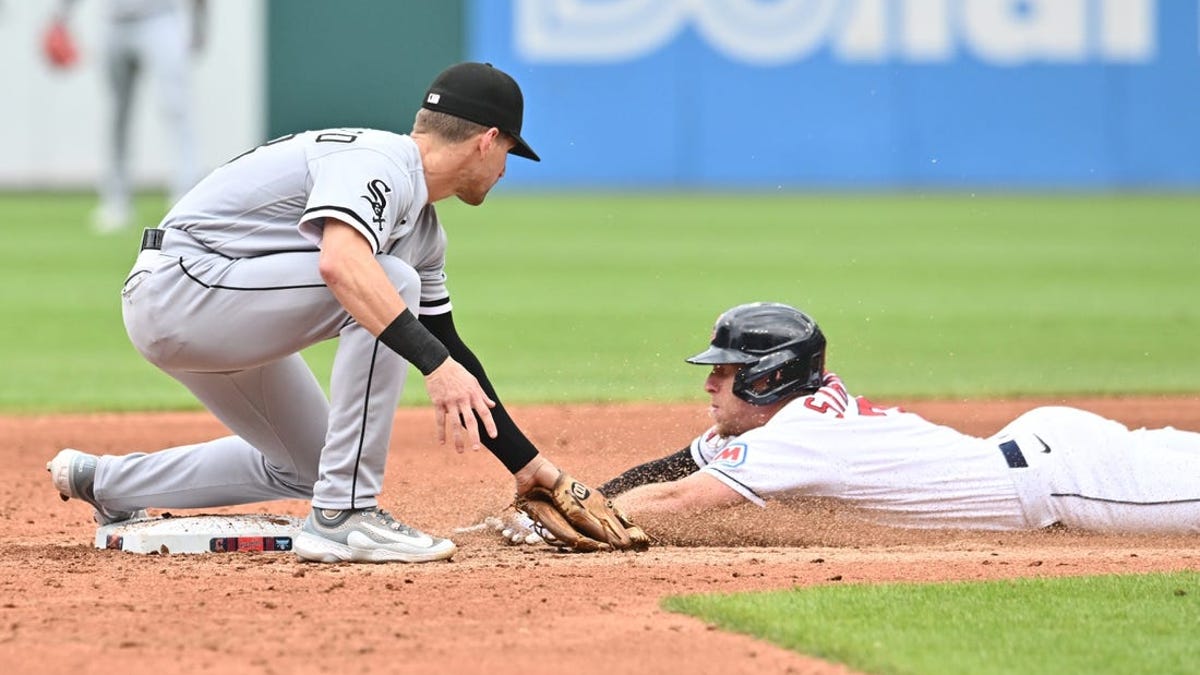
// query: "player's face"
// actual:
[[732, 415], [488, 170]]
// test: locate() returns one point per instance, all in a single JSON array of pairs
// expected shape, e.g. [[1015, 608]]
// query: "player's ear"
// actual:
[[487, 139]]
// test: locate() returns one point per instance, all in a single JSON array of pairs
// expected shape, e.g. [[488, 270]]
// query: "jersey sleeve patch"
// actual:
[[731, 456]]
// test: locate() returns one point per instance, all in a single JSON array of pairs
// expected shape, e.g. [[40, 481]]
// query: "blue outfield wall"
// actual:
[[767, 94]]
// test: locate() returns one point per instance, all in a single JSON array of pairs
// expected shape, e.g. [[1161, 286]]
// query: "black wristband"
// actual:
[[408, 338]]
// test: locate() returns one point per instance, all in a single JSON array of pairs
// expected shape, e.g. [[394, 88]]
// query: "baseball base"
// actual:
[[201, 534]]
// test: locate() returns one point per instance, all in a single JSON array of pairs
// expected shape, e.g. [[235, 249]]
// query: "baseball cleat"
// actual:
[[73, 473], [366, 535]]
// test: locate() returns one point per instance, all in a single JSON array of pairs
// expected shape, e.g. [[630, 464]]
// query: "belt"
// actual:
[[1015, 457], [147, 258], [152, 239]]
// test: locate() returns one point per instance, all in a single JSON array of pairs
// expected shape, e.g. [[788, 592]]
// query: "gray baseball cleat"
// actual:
[[366, 535], [73, 473]]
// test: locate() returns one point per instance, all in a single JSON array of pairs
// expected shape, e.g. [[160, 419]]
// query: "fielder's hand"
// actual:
[[457, 398]]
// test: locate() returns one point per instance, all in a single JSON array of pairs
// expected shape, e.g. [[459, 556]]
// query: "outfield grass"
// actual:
[[1107, 624], [600, 297]]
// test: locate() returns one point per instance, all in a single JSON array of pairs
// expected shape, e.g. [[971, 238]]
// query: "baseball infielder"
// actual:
[[154, 38], [312, 236], [785, 428]]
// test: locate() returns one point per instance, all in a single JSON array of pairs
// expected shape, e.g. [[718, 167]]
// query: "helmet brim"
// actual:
[[719, 355]]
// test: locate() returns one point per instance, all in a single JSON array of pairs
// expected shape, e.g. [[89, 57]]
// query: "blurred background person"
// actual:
[[152, 39]]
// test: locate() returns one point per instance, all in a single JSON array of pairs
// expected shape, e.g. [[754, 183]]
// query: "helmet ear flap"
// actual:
[[768, 369]]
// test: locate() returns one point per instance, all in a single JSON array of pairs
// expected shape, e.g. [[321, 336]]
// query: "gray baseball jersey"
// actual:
[[235, 293], [1050, 465]]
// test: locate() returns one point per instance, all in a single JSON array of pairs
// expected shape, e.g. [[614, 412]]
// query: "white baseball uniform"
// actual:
[[1051, 465], [235, 293]]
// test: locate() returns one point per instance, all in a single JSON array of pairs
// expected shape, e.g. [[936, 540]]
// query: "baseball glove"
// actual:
[[579, 518], [59, 46]]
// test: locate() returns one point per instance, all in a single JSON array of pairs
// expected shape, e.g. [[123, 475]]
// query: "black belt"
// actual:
[[1013, 455], [152, 239]]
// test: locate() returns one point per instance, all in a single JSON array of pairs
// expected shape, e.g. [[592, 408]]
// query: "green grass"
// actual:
[[600, 297], [1106, 624]]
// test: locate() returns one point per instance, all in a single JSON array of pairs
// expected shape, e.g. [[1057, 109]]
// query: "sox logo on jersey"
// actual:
[[377, 189]]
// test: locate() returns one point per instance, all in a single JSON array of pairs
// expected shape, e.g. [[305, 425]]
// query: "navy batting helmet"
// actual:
[[782, 349]]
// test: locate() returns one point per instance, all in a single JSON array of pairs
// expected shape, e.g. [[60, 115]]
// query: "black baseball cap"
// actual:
[[483, 94]]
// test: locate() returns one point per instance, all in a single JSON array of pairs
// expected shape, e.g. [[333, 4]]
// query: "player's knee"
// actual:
[[299, 479], [404, 278]]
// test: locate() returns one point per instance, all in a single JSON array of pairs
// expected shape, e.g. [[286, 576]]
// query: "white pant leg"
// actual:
[[1102, 477], [164, 43], [1170, 438]]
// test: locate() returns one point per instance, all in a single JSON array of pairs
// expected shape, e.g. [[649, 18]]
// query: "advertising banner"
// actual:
[[777, 94]]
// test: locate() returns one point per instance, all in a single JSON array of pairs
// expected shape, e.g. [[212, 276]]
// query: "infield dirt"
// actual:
[[66, 607]]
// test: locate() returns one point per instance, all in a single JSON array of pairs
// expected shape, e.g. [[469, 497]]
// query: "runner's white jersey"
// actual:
[[895, 467], [276, 197]]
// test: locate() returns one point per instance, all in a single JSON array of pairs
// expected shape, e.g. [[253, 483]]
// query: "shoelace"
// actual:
[[388, 520]]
